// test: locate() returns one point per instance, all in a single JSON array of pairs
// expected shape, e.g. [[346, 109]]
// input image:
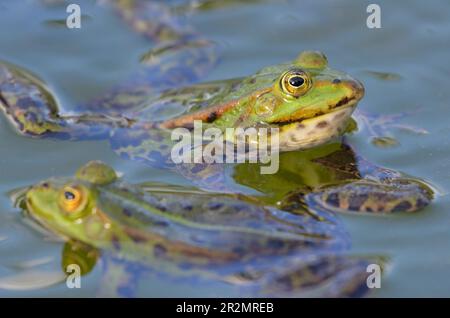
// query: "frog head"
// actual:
[[308, 88], [70, 206], [307, 100]]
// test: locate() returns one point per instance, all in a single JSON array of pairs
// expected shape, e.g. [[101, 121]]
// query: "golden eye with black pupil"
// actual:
[[295, 82], [71, 198]]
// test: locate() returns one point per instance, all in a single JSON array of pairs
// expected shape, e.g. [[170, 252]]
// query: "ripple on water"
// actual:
[[31, 279]]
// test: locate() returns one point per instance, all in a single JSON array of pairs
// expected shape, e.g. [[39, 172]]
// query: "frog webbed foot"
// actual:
[[27, 103]]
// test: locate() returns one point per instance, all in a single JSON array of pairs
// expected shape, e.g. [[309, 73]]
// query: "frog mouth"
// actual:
[[344, 102], [19, 200]]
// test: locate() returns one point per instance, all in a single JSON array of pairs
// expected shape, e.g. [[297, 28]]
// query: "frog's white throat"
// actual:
[[315, 131]]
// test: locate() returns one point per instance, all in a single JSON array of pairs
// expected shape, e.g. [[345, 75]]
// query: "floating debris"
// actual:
[[385, 142], [384, 76]]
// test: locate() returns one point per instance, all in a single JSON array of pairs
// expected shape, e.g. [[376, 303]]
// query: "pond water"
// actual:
[[413, 45]]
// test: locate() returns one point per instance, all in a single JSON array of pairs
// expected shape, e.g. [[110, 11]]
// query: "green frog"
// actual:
[[186, 233], [307, 102]]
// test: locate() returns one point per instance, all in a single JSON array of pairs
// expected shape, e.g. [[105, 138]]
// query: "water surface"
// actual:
[[413, 44]]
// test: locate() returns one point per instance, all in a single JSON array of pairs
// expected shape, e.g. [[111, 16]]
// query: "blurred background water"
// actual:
[[413, 44]]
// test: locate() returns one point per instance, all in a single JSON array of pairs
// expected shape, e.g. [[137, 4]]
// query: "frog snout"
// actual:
[[357, 88]]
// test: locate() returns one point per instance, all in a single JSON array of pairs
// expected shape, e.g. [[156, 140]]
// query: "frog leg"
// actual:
[[34, 111], [371, 189], [400, 195], [319, 276]]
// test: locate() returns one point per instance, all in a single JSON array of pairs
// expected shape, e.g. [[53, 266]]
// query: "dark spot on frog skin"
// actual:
[[333, 199], [356, 201], [402, 206], [343, 101], [421, 203], [159, 250], [293, 138], [127, 212], [136, 236], [212, 117], [161, 223], [300, 126], [322, 124], [214, 205], [336, 81], [186, 206], [284, 283]]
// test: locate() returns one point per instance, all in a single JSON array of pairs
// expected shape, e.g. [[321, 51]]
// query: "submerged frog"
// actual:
[[309, 102], [188, 233]]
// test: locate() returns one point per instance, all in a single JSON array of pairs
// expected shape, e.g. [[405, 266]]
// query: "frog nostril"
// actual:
[[45, 185], [336, 81]]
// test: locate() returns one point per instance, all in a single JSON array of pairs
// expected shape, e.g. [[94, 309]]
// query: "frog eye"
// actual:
[[72, 199], [295, 82]]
